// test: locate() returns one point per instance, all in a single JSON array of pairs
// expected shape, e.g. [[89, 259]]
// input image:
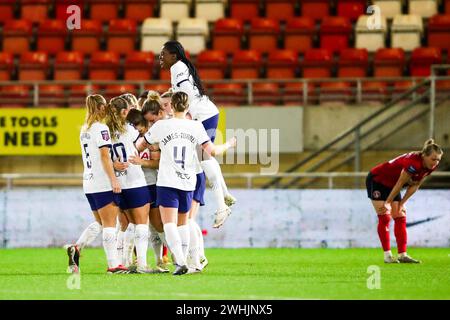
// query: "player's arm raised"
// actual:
[[214, 150], [109, 169]]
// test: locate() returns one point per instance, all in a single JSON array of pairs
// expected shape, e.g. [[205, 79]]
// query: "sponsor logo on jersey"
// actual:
[[105, 135], [85, 135], [411, 169]]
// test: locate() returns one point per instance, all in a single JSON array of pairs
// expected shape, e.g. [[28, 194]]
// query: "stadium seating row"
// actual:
[[265, 35], [215, 65], [105, 10]]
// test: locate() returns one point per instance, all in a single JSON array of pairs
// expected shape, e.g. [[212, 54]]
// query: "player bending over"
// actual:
[[384, 183]]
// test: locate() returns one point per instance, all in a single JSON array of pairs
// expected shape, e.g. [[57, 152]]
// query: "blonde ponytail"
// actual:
[[94, 102], [429, 147], [114, 121]]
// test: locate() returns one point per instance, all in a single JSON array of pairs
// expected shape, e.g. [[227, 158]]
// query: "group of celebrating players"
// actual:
[[138, 169], [145, 178]]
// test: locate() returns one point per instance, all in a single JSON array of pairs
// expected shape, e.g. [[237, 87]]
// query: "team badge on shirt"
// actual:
[[105, 135]]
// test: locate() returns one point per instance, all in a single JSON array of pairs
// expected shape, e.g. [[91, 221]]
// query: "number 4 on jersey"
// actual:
[[183, 156]]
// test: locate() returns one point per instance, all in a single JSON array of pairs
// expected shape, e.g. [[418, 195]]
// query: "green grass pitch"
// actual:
[[233, 274]]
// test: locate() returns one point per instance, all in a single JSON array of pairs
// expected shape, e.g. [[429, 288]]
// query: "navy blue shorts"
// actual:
[[174, 198], [210, 126], [100, 199], [200, 188], [152, 191], [134, 198]]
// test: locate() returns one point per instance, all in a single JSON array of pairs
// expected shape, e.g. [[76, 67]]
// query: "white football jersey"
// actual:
[[200, 107], [178, 139], [122, 148], [95, 178], [150, 174]]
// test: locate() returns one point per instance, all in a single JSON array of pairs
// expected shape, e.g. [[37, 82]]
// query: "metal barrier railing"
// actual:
[[308, 91], [249, 177]]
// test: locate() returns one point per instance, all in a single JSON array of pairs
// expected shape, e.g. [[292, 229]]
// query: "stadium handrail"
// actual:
[[356, 88]]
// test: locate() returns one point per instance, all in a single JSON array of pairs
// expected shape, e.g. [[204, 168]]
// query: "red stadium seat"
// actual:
[[266, 94], [351, 9], [52, 36], [51, 95], [6, 9], [78, 94], [16, 36], [282, 64], [317, 63], [422, 59], [161, 88], [212, 64], [335, 91], [353, 63], [104, 10], [122, 36], [443, 86], [229, 94], [294, 93], [104, 65], [375, 91], [6, 66], [115, 90], [227, 34], [62, 5], [246, 64], [389, 62], [33, 66], [139, 10], [439, 32], [447, 6], [87, 39], [139, 65], [68, 66], [280, 9], [335, 33], [298, 34], [15, 96], [244, 9], [35, 10], [316, 9], [263, 34]]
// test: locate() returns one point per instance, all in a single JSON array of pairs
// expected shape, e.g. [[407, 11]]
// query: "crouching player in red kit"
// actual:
[[384, 183]]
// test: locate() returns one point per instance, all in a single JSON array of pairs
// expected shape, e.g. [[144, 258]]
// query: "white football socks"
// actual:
[[120, 244], [185, 238], [157, 244], [174, 242], [387, 254], [194, 246], [212, 171], [141, 241], [89, 234], [129, 244], [201, 244], [110, 246]]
